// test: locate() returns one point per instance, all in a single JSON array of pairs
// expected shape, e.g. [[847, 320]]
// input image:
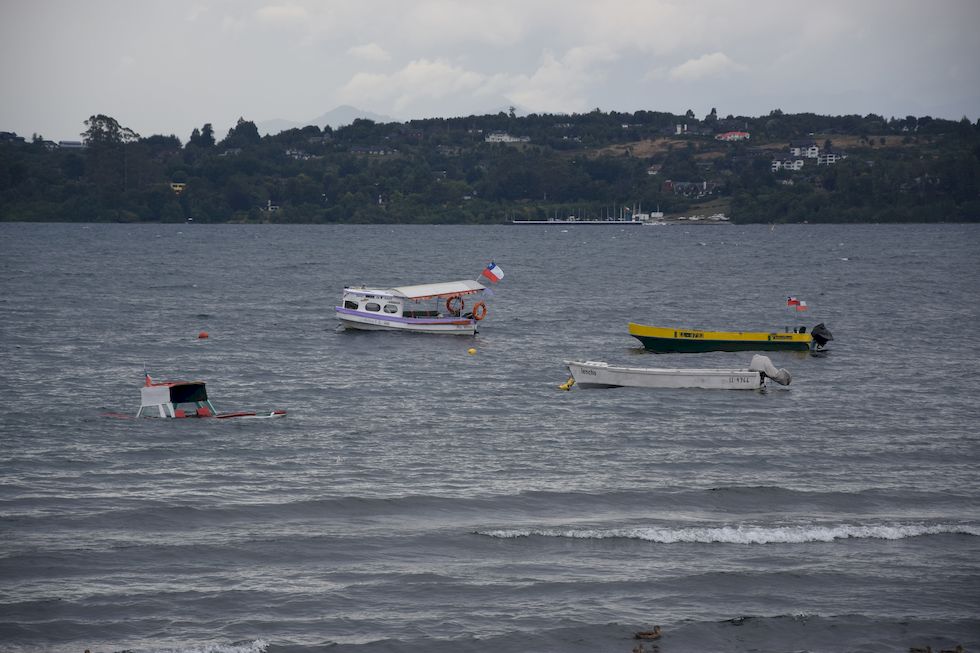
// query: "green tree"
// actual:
[[108, 161], [73, 166], [103, 130], [243, 134], [207, 135], [203, 138]]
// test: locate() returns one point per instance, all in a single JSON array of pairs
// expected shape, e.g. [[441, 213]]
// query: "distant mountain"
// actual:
[[342, 115], [345, 115]]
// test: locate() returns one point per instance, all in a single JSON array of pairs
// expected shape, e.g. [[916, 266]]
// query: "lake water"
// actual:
[[418, 498]]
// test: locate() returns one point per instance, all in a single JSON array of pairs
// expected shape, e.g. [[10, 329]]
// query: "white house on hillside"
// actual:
[[806, 149], [503, 137], [799, 152], [830, 158], [787, 164]]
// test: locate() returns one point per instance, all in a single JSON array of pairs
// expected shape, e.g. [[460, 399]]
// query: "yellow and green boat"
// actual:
[[670, 340]]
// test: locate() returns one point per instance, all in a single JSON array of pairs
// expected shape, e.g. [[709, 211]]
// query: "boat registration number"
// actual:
[[780, 336]]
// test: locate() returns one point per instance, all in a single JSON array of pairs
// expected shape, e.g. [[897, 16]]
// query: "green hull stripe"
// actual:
[[684, 346]]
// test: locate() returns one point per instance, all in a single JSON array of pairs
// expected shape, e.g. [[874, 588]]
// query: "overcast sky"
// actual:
[[164, 67]]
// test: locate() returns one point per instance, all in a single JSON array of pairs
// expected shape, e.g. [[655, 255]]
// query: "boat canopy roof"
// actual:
[[176, 392], [427, 290]]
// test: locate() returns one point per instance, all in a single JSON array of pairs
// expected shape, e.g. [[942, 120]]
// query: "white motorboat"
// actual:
[[427, 308], [598, 374]]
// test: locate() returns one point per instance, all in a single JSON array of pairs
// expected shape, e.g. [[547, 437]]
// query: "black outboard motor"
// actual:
[[821, 335]]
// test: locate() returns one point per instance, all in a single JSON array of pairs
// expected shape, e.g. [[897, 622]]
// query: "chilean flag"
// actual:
[[792, 301], [493, 272], [801, 306]]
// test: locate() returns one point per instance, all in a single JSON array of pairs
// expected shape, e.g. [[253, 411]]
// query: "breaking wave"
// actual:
[[245, 646], [742, 534]]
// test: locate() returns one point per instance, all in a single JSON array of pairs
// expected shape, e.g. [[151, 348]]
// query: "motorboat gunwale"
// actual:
[[390, 313], [678, 340], [599, 374]]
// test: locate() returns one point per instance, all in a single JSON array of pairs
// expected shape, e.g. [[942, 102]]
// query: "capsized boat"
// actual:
[[598, 374], [675, 340], [453, 307], [180, 399]]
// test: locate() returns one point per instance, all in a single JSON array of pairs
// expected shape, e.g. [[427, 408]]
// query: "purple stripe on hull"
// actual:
[[404, 320]]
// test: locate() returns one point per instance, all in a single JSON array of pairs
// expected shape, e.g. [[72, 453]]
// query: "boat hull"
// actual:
[[451, 326], [272, 414], [591, 374], [668, 340]]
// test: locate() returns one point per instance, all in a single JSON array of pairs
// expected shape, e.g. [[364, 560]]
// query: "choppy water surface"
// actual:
[[418, 498]]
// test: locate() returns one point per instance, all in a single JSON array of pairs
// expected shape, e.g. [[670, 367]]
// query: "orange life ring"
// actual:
[[451, 302], [479, 311]]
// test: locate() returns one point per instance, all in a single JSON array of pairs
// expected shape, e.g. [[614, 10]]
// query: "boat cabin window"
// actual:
[[349, 304], [391, 308], [374, 307]]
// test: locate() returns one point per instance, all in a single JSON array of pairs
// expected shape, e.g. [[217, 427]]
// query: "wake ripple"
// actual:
[[743, 534]]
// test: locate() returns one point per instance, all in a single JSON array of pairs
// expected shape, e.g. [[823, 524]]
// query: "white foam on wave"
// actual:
[[744, 534], [248, 646]]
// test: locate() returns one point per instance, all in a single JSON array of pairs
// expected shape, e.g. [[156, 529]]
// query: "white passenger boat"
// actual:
[[451, 307], [597, 374]]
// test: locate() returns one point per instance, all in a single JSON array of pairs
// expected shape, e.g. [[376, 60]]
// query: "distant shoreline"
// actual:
[[666, 223], [490, 168]]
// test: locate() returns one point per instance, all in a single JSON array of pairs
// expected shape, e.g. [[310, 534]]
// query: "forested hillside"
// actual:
[[445, 171]]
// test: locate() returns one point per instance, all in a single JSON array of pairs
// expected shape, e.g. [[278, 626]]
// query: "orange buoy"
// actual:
[[202, 335]]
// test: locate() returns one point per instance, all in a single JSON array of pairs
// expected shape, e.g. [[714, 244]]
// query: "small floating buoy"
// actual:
[[567, 385], [203, 335], [471, 351]]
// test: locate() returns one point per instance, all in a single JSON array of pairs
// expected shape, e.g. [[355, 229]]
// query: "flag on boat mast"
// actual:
[[801, 306], [493, 272]]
